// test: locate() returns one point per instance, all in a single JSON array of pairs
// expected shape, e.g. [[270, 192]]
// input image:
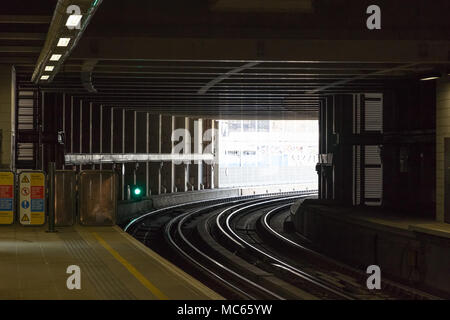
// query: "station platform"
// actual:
[[113, 266], [411, 250]]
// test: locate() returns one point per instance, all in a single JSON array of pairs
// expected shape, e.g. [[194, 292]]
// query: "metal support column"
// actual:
[[51, 200]]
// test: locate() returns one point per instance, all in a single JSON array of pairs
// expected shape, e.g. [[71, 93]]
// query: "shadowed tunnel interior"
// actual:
[[253, 150]]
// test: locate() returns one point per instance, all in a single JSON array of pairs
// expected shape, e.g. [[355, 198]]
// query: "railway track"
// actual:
[[238, 247], [270, 227]]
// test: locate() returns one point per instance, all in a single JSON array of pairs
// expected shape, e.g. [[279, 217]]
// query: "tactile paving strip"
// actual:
[[106, 283]]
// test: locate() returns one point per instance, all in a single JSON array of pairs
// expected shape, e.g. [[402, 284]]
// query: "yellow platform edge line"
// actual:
[[143, 280], [197, 285]]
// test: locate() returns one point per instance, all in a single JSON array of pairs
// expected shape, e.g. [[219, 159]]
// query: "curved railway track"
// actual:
[[238, 247]]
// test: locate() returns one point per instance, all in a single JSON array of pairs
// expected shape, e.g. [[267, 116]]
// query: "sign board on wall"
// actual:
[[6, 197], [31, 198]]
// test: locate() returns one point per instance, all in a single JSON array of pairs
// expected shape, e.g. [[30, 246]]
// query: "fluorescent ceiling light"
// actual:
[[49, 68], [55, 57], [63, 42], [45, 77], [429, 78], [73, 20]]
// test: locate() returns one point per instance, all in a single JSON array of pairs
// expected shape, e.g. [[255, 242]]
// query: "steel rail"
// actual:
[[265, 221], [178, 222], [300, 273]]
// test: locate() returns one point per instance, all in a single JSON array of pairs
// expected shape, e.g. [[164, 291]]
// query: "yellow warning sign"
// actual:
[[6, 197], [31, 203]]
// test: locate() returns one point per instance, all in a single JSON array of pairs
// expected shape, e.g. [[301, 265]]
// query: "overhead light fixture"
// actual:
[[49, 68], [73, 20], [430, 76], [55, 57], [63, 42], [44, 77]]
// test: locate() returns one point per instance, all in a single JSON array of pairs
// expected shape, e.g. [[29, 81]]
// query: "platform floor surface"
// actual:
[[112, 264], [388, 220]]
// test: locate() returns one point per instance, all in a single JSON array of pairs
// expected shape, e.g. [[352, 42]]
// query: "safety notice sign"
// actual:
[[32, 198], [6, 197]]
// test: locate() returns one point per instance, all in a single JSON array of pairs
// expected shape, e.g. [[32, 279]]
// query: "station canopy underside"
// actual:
[[225, 60]]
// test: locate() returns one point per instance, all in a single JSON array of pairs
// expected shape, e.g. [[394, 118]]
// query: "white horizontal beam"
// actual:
[[76, 159]]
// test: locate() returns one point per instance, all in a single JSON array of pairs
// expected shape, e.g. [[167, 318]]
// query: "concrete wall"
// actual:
[[442, 131], [415, 258], [7, 116], [128, 210], [166, 200]]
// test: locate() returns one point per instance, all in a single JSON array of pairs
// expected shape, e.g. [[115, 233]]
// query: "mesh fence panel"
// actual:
[[98, 198], [65, 198]]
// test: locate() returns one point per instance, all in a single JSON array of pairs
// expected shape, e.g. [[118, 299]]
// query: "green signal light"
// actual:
[[137, 192]]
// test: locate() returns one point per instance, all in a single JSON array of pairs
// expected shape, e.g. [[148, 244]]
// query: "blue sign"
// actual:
[[37, 205], [25, 204], [6, 204]]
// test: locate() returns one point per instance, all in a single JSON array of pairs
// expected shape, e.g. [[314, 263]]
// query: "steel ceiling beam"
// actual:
[[19, 49], [58, 30], [346, 81], [25, 19], [224, 76], [275, 50], [21, 36]]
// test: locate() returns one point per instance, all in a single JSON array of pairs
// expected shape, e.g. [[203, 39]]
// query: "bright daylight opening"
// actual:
[[268, 152]]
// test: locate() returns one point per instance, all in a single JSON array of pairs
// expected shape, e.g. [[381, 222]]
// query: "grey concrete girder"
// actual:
[[246, 50]]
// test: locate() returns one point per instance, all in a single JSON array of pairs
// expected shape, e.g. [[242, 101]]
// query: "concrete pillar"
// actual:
[[67, 127], [211, 139], [95, 131], [325, 170], [154, 146], [7, 116], [443, 150], [53, 115], [118, 145], [216, 152], [76, 112], [207, 168], [168, 169], [195, 169], [342, 125], [130, 147], [106, 116], [141, 146], [188, 150], [181, 170]]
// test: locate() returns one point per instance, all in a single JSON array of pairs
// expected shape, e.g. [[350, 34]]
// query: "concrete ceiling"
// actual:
[[23, 28], [227, 59]]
